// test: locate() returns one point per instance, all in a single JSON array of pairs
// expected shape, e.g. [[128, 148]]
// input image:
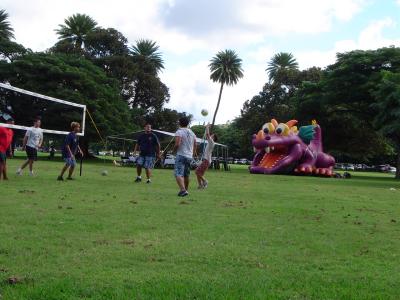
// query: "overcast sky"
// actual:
[[190, 32]]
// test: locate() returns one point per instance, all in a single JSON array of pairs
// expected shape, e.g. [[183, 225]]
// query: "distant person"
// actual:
[[6, 137], [149, 147], [52, 152], [32, 142], [202, 168], [69, 149], [185, 146]]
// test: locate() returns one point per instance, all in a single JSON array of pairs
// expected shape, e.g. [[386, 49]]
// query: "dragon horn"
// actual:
[[274, 122], [291, 123]]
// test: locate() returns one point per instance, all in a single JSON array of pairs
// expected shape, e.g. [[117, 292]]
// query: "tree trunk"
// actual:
[[398, 165], [216, 109]]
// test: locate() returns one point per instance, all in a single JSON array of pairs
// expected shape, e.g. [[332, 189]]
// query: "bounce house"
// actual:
[[282, 148]]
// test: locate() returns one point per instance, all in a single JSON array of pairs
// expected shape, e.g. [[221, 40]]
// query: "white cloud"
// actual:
[[183, 27], [372, 37]]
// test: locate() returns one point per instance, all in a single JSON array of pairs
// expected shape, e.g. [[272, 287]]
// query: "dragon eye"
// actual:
[[268, 128], [282, 129]]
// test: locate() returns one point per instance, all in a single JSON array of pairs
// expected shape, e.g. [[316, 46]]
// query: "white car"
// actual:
[[392, 170], [169, 160]]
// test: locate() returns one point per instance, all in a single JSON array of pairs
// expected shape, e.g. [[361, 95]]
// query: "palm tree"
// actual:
[[226, 68], [75, 29], [146, 53], [280, 62], [6, 31]]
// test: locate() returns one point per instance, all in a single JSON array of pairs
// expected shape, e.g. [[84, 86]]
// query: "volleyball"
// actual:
[[204, 112]]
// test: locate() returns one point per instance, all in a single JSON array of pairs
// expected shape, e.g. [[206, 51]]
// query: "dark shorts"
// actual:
[[3, 157], [202, 168], [31, 153]]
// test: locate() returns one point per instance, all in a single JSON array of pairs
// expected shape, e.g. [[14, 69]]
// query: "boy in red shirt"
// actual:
[[6, 136]]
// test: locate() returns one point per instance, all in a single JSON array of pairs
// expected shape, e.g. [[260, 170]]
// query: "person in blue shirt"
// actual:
[[149, 147], [69, 150]]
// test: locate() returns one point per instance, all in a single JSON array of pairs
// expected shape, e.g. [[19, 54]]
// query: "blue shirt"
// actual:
[[148, 143], [72, 141]]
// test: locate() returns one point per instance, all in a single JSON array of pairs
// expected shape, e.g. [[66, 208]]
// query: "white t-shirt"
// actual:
[[187, 142], [34, 135], [209, 149]]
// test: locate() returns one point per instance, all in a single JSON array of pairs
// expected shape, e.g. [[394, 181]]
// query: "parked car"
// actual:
[[392, 170], [169, 161], [382, 168], [339, 166], [349, 167], [243, 161]]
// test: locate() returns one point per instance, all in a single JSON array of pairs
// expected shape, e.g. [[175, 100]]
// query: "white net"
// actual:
[[24, 106]]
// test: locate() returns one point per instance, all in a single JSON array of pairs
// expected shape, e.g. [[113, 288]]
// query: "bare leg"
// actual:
[[181, 183], [24, 164], [199, 180], [148, 173], [30, 162], [186, 180], [2, 169], [139, 170], [63, 170], [5, 171], [71, 170]]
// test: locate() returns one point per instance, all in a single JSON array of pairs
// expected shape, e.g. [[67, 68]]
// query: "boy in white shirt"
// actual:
[[202, 168], [185, 146], [32, 142]]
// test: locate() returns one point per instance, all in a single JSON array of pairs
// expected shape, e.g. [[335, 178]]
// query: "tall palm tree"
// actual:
[[6, 31], [146, 53], [280, 62], [226, 68], [76, 28]]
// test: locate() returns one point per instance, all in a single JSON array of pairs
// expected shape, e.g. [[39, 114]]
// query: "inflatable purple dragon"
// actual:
[[284, 149]]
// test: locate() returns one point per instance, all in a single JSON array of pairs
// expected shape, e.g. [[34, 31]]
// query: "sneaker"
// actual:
[[19, 172], [183, 193], [205, 184], [59, 178], [148, 181], [31, 174], [138, 179]]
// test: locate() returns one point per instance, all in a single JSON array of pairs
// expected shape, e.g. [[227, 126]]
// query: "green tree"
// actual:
[[148, 91], [280, 64], [76, 29], [6, 31], [71, 78], [10, 50], [344, 103], [146, 54], [388, 106], [226, 69]]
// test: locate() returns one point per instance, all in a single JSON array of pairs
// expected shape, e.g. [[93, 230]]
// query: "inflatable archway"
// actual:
[[282, 148]]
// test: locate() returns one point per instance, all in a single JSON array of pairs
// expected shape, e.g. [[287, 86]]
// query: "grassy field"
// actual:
[[245, 237]]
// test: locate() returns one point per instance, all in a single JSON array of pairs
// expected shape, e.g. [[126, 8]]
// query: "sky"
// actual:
[[191, 32]]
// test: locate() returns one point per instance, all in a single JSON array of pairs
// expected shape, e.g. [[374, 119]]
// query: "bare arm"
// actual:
[[194, 148], [208, 132], [24, 141], [69, 150], [40, 141], [178, 141], [158, 147], [80, 150]]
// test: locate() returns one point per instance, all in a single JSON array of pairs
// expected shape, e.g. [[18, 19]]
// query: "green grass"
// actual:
[[246, 237]]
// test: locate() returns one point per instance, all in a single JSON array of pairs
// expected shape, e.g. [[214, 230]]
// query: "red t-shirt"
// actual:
[[6, 136]]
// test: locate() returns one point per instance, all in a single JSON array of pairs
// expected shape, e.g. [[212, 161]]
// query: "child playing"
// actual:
[[202, 168], [69, 150]]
